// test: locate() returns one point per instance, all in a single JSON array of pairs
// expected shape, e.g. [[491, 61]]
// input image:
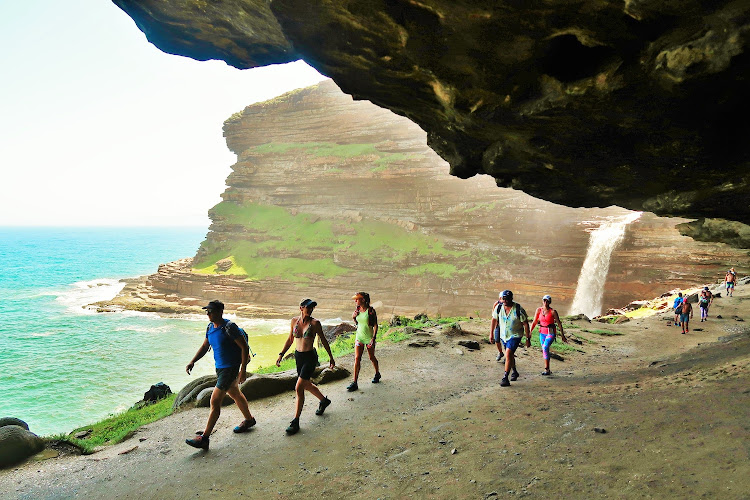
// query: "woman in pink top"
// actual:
[[548, 321]]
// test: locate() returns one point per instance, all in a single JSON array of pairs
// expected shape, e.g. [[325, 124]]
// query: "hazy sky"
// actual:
[[99, 127]]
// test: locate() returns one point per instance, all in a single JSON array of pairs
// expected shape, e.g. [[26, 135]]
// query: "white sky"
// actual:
[[99, 127]]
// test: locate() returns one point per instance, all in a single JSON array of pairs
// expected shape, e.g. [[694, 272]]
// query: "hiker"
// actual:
[[730, 279], [366, 320], [548, 320], [677, 309], [231, 357], [704, 302], [499, 345], [686, 314], [509, 322], [303, 332]]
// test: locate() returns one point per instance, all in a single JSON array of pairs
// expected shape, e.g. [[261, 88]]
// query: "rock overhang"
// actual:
[[640, 104]]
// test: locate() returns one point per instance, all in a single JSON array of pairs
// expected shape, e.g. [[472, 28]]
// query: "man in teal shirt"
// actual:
[[509, 323]]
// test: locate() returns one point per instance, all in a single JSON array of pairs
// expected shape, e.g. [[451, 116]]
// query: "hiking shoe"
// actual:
[[352, 387], [245, 425], [504, 382], [200, 441], [376, 378], [499, 357], [321, 407], [546, 372], [293, 427], [514, 376]]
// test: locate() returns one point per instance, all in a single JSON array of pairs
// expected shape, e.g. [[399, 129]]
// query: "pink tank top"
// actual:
[[546, 321]]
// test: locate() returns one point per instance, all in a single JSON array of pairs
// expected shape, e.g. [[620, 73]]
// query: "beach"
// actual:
[[647, 413]]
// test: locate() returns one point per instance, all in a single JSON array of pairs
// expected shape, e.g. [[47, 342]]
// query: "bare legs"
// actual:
[[300, 388], [217, 397], [358, 351]]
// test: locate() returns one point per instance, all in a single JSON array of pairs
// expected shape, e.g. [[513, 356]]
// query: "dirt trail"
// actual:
[[675, 410]]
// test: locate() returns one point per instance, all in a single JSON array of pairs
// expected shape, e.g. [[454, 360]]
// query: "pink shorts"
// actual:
[[357, 343]]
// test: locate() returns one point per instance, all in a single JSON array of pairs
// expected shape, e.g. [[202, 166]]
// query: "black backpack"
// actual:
[[518, 309]]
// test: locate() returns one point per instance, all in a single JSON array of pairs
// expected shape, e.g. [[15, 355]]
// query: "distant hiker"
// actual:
[[730, 279], [303, 332], [704, 301], [231, 357], [509, 322], [366, 320], [548, 320], [499, 345], [686, 314], [677, 309]]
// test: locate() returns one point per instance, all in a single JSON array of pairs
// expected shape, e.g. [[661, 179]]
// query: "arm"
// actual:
[[324, 341], [536, 319], [562, 333], [288, 343], [528, 333], [198, 355], [493, 324], [245, 354], [374, 319]]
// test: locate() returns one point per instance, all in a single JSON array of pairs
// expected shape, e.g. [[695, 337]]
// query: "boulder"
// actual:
[[158, 391], [189, 393], [203, 400], [330, 375], [18, 444], [333, 332], [224, 265], [469, 344], [577, 317], [13, 421], [424, 343]]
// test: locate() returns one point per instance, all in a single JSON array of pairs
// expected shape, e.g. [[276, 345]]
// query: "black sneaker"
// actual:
[[376, 378], [293, 427], [352, 387], [321, 407], [546, 372], [504, 382], [514, 376], [199, 441]]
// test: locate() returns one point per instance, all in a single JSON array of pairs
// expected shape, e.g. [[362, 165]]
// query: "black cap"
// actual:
[[308, 303], [214, 305]]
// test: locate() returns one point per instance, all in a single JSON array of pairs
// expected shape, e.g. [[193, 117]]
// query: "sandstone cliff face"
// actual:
[[590, 103], [330, 196]]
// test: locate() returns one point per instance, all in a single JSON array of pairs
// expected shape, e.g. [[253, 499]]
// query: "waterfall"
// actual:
[[590, 288]]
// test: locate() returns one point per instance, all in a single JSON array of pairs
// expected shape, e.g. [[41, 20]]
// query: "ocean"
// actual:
[[63, 366]]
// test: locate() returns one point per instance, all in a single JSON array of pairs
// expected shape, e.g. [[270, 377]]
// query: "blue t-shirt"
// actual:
[[227, 353], [677, 302]]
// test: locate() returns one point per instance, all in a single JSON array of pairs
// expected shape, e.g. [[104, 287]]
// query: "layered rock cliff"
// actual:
[[330, 196], [640, 104]]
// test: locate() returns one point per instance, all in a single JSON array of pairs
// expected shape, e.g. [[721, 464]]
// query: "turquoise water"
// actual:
[[62, 366]]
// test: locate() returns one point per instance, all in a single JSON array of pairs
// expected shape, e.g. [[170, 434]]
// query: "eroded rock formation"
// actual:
[[330, 196], [640, 104]]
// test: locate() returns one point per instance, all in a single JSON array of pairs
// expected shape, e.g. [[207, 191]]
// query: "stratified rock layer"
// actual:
[[330, 196], [640, 104]]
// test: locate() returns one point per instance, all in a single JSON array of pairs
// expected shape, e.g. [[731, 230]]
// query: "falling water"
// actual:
[[590, 288]]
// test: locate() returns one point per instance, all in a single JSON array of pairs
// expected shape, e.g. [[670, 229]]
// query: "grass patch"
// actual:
[[279, 244], [605, 333], [117, 428]]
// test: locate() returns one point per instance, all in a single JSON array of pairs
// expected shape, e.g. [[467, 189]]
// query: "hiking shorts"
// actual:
[[225, 377], [730, 284], [685, 318], [307, 362], [512, 343]]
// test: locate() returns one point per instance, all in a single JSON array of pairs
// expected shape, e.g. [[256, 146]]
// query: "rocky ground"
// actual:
[[650, 413]]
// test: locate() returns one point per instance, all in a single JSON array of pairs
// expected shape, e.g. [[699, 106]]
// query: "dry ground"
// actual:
[[675, 408]]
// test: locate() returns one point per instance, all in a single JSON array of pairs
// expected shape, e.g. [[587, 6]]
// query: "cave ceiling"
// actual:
[[636, 103]]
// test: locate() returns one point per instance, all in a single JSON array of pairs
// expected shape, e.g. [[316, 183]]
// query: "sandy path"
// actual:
[[676, 410]]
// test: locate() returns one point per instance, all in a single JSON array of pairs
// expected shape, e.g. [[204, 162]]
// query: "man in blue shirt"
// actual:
[[677, 306], [231, 356]]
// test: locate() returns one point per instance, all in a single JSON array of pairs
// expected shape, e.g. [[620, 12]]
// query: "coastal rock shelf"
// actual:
[[595, 103], [331, 195]]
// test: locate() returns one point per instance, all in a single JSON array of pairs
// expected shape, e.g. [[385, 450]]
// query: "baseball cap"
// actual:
[[308, 303], [214, 305], [547, 298], [506, 293]]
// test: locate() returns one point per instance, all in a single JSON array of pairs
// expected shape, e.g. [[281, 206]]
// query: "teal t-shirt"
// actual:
[[511, 324]]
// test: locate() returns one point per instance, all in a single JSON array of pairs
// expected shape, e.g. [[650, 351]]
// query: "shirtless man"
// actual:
[[686, 314], [303, 332], [730, 280]]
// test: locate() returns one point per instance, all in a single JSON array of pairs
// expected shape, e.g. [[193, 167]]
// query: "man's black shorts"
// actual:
[[226, 376], [307, 361]]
